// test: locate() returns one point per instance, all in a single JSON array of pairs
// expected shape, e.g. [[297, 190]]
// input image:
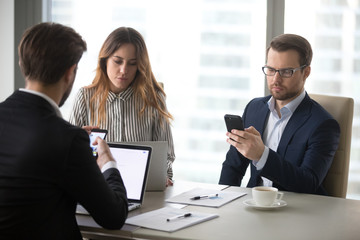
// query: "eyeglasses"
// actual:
[[285, 73]]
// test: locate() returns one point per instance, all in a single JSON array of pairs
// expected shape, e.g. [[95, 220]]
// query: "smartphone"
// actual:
[[233, 122], [96, 133]]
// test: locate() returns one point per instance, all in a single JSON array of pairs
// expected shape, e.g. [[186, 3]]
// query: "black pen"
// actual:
[[179, 216], [204, 196]]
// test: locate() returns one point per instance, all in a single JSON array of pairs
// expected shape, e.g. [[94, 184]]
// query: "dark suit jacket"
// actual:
[[304, 154], [46, 167]]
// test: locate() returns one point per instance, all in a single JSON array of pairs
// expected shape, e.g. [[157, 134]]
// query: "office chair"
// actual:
[[342, 109]]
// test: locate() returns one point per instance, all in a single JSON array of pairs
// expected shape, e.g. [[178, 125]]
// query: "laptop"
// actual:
[[158, 164], [133, 162]]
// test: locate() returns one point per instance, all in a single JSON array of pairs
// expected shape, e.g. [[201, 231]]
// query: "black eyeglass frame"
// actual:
[[281, 71]]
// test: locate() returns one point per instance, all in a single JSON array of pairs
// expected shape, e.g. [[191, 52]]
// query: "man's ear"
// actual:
[[307, 71], [70, 73]]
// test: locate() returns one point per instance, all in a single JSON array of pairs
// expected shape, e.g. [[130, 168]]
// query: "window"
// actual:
[[333, 29], [209, 53], [208, 56]]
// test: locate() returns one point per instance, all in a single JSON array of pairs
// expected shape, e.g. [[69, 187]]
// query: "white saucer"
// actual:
[[277, 204]]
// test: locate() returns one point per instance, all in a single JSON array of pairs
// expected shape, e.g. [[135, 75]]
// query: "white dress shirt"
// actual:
[[274, 130]]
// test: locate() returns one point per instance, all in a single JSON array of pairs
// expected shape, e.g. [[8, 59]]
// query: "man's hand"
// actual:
[[104, 153], [247, 142]]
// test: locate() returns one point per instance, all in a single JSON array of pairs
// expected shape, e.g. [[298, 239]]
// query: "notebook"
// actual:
[[133, 163], [158, 164]]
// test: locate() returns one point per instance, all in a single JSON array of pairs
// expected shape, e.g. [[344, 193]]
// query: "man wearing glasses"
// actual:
[[289, 140]]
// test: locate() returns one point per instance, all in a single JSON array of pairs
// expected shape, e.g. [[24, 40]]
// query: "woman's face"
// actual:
[[121, 67]]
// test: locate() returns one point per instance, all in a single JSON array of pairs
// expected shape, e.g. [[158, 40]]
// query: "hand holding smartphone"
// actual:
[[93, 135], [233, 122]]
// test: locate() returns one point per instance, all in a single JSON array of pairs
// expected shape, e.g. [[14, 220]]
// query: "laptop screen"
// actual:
[[133, 164]]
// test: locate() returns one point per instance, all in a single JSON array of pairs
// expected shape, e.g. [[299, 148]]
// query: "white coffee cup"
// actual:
[[266, 196]]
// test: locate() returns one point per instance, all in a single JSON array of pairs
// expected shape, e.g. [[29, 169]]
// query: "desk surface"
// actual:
[[306, 216]]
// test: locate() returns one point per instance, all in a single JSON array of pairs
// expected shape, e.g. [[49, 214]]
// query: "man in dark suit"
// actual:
[[46, 164], [289, 140]]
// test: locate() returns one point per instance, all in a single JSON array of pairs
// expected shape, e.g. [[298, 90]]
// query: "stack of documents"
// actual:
[[169, 219], [205, 197]]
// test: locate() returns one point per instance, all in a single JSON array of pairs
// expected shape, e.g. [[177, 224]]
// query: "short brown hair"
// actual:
[[295, 42], [47, 50]]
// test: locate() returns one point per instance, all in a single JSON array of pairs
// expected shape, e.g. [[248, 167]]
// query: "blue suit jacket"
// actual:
[[304, 154]]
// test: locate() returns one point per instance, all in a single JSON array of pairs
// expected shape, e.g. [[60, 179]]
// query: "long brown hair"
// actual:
[[145, 85]]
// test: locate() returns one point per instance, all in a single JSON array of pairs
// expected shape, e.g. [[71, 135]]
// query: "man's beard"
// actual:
[[66, 95], [68, 91], [286, 96]]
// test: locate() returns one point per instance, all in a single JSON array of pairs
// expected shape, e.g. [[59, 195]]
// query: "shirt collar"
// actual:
[[124, 95], [47, 98], [291, 106]]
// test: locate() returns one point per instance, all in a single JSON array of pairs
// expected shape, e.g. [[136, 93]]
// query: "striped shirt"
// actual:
[[123, 122]]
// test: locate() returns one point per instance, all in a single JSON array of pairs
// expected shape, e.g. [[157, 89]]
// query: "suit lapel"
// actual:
[[259, 121], [299, 117], [262, 114]]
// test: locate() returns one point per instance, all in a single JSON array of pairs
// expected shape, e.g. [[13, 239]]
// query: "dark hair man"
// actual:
[[46, 164], [289, 140]]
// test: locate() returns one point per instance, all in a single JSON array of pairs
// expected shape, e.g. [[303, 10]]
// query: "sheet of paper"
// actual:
[[157, 219], [222, 198]]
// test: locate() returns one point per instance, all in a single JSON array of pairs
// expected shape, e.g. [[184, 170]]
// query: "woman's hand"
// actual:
[[89, 128], [169, 182]]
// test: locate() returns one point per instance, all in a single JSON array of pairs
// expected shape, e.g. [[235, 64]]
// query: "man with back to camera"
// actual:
[[289, 139], [46, 164]]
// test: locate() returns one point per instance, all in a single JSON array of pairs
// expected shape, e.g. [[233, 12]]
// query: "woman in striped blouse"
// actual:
[[125, 97]]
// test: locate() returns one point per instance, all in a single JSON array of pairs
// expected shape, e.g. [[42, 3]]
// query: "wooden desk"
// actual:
[[305, 217]]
